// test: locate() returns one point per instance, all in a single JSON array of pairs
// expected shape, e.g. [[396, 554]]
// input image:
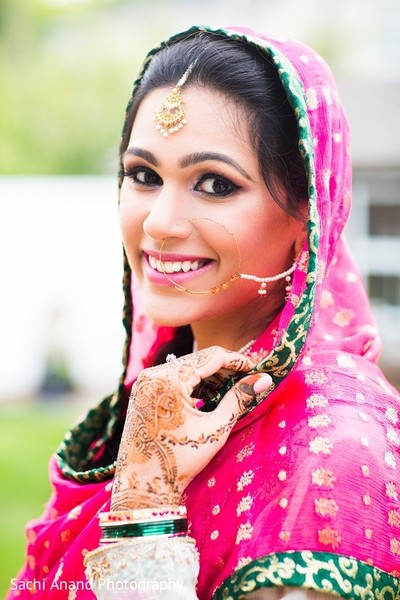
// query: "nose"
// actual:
[[165, 218]]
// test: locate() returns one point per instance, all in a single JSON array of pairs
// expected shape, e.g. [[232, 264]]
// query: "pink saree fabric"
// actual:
[[315, 466]]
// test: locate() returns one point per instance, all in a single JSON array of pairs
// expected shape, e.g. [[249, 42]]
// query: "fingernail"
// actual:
[[200, 404], [262, 384]]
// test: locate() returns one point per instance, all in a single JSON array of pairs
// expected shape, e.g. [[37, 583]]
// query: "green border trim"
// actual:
[[325, 572]]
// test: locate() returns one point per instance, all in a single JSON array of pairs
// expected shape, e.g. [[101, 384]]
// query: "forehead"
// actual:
[[213, 120]]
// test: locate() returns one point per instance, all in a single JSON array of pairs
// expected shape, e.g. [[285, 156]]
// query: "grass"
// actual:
[[29, 434]]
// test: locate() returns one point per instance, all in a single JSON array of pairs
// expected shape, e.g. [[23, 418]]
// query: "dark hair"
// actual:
[[239, 71]]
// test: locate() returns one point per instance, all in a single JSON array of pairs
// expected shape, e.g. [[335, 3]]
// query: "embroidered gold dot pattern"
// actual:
[[323, 477], [326, 507], [321, 445]]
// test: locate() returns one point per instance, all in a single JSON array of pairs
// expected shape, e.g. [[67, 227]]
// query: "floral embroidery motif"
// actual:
[[65, 536], [343, 317], [323, 477], [367, 499], [284, 536], [244, 504], [316, 401], [30, 536], [282, 475], [319, 421], [393, 436], [244, 452], [391, 491], [31, 560], [368, 533], [211, 482], [315, 376], [390, 459], [216, 509], [344, 360], [75, 512], [365, 470], [395, 546], [245, 532], [214, 534], [321, 445], [391, 415], [282, 424], [245, 479], [329, 537], [283, 503], [394, 518], [326, 507], [311, 99], [243, 562], [326, 299]]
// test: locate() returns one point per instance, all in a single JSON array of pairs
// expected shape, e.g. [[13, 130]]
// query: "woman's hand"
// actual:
[[167, 440]]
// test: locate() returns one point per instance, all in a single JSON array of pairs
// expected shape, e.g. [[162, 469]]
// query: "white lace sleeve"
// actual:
[[144, 569]]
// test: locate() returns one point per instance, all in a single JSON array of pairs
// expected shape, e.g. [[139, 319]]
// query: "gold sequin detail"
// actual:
[[321, 445], [216, 509], [244, 505], [329, 537], [316, 401], [391, 491], [367, 499], [211, 482], [365, 470], [245, 479], [315, 376], [326, 507], [319, 421], [282, 450], [394, 518], [282, 424], [282, 475], [284, 536], [244, 452], [323, 477], [390, 460], [245, 532], [214, 534], [368, 533], [75, 512], [65, 536], [395, 546], [283, 503]]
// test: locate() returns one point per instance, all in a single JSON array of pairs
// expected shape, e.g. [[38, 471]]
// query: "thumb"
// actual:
[[245, 393]]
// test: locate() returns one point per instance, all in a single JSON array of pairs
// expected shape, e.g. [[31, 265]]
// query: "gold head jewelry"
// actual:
[[170, 116]]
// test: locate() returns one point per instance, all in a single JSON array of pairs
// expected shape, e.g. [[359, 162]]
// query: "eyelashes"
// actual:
[[210, 184]]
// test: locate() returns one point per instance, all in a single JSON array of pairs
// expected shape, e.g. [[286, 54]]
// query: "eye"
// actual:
[[216, 185], [143, 176]]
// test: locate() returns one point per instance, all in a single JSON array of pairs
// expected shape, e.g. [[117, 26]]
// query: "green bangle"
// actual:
[[165, 527]]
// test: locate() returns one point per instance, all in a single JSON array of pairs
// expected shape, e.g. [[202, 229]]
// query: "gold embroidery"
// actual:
[[72, 594], [345, 361], [390, 459], [395, 546], [316, 401], [319, 421], [244, 532], [245, 479], [368, 533], [45, 569], [211, 482], [326, 299], [343, 317], [394, 518], [364, 442], [284, 536], [367, 500], [360, 396], [329, 537], [283, 502], [75, 512], [282, 424], [282, 475], [391, 491], [214, 534], [216, 509], [321, 445], [363, 416], [326, 507], [244, 452], [30, 536], [393, 436], [282, 450], [323, 477], [391, 415], [243, 562], [47, 544], [315, 376], [365, 470], [65, 536], [244, 504], [31, 561]]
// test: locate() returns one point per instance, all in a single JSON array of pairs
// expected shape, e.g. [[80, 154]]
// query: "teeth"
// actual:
[[174, 266]]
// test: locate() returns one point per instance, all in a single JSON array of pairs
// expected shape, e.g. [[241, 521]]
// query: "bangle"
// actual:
[[138, 515], [170, 527]]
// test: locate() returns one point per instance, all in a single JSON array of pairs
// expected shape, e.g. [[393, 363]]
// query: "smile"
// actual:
[[168, 266]]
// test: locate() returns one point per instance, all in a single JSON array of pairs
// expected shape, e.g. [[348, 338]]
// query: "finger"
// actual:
[[214, 359], [249, 390]]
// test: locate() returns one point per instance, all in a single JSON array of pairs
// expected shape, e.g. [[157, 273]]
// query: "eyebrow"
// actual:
[[189, 159], [198, 157]]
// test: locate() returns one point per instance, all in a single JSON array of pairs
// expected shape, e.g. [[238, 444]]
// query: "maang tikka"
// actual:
[[170, 117]]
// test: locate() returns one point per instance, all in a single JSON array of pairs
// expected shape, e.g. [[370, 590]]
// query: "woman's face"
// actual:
[[198, 196]]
